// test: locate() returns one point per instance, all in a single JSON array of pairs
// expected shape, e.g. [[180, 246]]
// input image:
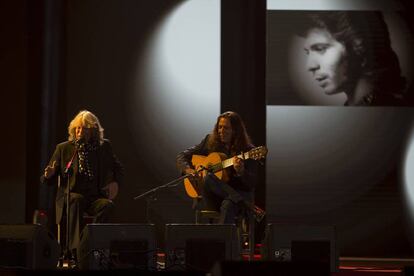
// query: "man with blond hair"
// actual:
[[85, 162]]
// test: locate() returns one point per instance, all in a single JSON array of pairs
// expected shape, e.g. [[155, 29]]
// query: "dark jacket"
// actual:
[[109, 169]]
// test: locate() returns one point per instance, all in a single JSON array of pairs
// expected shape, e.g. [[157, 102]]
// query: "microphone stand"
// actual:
[[171, 183], [67, 173], [150, 195], [168, 185]]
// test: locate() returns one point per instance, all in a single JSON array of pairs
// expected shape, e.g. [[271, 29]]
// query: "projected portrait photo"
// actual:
[[349, 58]]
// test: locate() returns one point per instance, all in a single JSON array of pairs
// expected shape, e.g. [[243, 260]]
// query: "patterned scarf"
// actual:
[[84, 151]]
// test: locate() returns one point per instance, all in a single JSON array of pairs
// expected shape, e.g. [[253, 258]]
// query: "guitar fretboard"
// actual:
[[228, 162]]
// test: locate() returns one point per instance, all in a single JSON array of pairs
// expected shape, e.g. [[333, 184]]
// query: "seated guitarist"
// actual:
[[230, 137]]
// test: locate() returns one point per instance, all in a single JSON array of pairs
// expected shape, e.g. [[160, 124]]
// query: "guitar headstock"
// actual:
[[258, 153]]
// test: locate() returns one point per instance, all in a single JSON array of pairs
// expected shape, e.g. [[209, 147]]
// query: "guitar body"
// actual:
[[199, 162], [217, 163]]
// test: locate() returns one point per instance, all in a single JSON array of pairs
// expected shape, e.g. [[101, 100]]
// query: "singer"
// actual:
[[87, 163]]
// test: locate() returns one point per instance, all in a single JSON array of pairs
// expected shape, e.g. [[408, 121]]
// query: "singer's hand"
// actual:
[[111, 189], [50, 170]]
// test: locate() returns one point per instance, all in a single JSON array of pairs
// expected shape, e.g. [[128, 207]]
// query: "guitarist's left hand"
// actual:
[[238, 166]]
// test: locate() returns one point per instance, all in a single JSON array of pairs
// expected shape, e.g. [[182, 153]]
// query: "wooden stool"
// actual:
[[212, 216]]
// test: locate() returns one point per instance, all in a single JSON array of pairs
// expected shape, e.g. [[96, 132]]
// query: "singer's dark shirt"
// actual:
[[87, 186]]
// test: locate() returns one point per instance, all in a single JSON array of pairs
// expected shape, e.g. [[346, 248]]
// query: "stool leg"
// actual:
[[58, 234], [197, 217], [251, 223], [241, 233]]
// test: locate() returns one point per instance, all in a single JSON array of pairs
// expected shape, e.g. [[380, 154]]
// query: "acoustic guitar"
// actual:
[[216, 162]]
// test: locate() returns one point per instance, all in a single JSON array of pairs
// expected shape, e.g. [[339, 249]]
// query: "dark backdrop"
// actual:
[[100, 56]]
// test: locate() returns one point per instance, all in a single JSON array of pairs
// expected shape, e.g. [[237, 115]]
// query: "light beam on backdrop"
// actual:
[[408, 174], [176, 95]]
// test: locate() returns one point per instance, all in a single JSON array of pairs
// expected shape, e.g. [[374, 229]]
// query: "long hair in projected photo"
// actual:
[[337, 58]]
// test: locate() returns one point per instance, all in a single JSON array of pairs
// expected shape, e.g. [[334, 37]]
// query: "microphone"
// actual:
[[69, 164], [80, 140]]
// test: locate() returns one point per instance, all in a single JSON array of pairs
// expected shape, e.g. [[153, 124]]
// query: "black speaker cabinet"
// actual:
[[29, 246], [301, 243], [199, 246], [117, 246]]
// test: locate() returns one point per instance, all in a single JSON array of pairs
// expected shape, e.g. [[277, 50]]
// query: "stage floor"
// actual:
[[348, 266], [355, 266]]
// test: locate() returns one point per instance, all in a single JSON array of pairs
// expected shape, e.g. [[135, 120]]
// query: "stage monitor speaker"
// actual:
[[198, 246], [117, 246], [28, 246], [301, 243]]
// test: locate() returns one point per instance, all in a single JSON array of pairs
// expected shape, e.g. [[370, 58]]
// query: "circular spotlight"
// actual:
[[176, 95], [409, 177]]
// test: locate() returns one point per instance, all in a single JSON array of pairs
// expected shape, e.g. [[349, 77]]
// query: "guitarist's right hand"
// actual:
[[193, 175]]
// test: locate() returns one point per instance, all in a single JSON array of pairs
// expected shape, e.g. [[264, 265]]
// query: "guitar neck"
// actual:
[[256, 154], [230, 162]]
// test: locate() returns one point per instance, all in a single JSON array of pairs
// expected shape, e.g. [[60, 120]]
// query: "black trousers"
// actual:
[[99, 208], [219, 196]]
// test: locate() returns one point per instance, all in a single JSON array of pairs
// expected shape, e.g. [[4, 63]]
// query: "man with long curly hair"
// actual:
[[350, 52], [87, 163], [230, 137]]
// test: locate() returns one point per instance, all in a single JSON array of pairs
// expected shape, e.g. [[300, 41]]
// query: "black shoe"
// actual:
[[73, 262]]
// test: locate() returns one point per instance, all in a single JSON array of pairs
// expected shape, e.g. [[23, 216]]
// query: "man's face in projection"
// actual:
[[326, 60]]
